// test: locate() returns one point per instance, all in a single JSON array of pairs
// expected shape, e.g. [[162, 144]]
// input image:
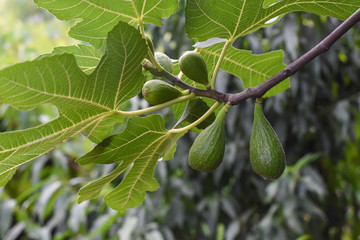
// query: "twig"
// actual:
[[220, 97], [261, 89]]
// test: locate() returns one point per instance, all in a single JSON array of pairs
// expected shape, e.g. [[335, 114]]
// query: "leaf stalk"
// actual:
[[197, 122], [156, 107]]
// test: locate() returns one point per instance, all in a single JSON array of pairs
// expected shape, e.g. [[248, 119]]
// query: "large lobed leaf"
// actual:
[[213, 21], [86, 103], [99, 17], [138, 147], [86, 56], [231, 19], [252, 69]]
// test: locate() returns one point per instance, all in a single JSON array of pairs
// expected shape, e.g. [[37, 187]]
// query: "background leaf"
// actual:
[[99, 17]]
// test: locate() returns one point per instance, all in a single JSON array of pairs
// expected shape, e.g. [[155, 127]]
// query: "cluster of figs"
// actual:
[[267, 156]]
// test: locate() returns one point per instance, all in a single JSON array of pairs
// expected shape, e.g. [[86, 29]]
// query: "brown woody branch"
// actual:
[[261, 89]]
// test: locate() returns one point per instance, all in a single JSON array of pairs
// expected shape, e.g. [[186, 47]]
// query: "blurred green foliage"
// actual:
[[317, 120], [28, 31]]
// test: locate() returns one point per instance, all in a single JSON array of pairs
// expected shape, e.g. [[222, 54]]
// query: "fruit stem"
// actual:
[[218, 64], [150, 53], [226, 107], [200, 120], [142, 30], [156, 107], [222, 114], [185, 92]]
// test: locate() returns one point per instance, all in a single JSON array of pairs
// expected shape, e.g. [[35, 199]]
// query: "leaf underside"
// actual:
[[148, 140], [252, 69], [86, 103], [231, 19], [86, 56], [99, 17]]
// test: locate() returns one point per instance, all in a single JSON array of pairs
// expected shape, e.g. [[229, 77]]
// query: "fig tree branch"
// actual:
[[293, 67], [261, 89], [220, 97]]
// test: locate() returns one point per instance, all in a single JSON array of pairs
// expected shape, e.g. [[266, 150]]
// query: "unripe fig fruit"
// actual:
[[164, 61], [157, 91], [267, 156], [193, 65], [207, 151]]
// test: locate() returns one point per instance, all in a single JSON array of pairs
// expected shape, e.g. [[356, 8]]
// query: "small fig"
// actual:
[[207, 151], [164, 61], [193, 65], [157, 91], [267, 156]]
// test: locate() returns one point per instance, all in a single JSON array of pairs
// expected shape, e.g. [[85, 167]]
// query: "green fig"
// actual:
[[193, 65], [267, 156], [164, 61], [157, 91], [207, 151]]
